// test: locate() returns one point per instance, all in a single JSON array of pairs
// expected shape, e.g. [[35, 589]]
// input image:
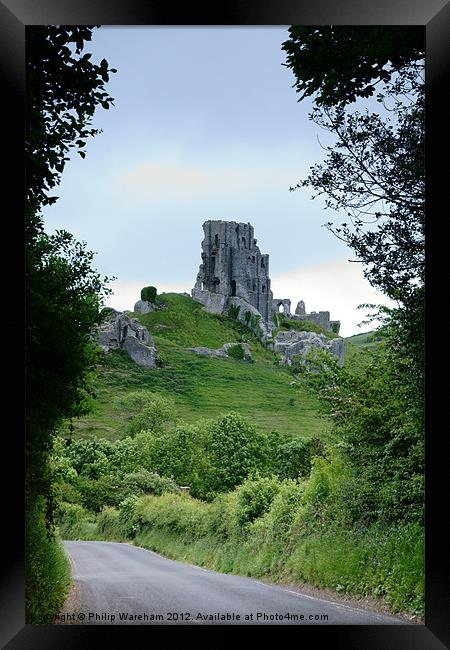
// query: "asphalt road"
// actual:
[[121, 584]]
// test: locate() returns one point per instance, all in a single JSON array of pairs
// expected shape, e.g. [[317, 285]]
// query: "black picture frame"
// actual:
[[434, 15]]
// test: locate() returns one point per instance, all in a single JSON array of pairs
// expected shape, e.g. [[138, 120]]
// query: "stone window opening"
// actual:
[[233, 287], [253, 258], [216, 240], [244, 245], [263, 288], [254, 287], [280, 308], [263, 265]]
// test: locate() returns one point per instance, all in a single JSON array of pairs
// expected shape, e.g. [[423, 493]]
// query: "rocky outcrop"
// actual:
[[223, 351], [120, 332], [293, 342], [144, 307]]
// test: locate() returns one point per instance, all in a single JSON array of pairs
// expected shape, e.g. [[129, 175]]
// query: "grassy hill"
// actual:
[[200, 386], [366, 340]]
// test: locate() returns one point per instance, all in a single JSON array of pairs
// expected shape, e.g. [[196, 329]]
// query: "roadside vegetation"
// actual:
[[342, 511]]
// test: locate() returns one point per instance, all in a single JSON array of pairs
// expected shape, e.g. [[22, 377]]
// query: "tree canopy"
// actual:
[[340, 63]]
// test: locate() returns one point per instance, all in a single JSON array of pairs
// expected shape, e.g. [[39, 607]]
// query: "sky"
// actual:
[[205, 125]]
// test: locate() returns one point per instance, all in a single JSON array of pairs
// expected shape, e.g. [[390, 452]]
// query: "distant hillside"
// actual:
[[366, 339], [201, 386]]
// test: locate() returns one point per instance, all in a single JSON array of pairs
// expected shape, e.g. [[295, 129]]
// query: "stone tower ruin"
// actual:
[[234, 272], [232, 267]]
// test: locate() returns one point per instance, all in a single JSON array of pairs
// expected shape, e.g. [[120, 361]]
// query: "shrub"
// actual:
[[237, 449], [108, 525], [148, 294], [48, 572], [155, 415], [293, 459], [75, 522], [96, 493], [176, 513], [236, 352], [128, 519], [233, 311], [182, 453], [254, 498], [145, 482], [90, 456]]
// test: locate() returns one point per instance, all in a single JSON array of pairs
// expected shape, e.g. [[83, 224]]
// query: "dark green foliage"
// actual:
[[63, 91], [63, 292], [95, 493], [144, 482], [293, 458], [378, 420], [236, 450], [233, 311], [254, 498], [47, 568], [236, 352], [375, 171], [149, 294], [340, 63], [247, 316]]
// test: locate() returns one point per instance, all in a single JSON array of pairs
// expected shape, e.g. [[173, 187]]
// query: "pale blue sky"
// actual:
[[206, 125]]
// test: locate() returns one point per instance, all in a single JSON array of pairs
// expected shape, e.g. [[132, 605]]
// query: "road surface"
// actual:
[[121, 584]]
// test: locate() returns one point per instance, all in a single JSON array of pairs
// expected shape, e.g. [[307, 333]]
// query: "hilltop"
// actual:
[[261, 390]]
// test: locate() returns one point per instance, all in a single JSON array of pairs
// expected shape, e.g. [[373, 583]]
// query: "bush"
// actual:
[[254, 498], [233, 311], [154, 415], [108, 524], [90, 457], [48, 572], [75, 522], [148, 294], [128, 519], [293, 458], [96, 493], [176, 513], [236, 352], [145, 482], [236, 449]]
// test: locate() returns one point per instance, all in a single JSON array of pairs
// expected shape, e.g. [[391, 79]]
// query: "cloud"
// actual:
[[166, 180]]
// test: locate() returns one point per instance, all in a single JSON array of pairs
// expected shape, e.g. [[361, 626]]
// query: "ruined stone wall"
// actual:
[[233, 266]]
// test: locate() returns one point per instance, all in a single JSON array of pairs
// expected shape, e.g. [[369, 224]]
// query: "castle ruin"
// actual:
[[232, 266], [233, 271]]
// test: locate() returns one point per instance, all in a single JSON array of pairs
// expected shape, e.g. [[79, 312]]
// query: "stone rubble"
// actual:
[[223, 351]]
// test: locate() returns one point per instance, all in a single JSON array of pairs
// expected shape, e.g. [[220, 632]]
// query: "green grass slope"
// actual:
[[200, 386]]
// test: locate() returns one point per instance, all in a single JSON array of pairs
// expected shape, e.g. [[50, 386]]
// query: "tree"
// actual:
[[63, 91], [375, 172], [339, 64], [374, 175], [63, 292], [236, 449]]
